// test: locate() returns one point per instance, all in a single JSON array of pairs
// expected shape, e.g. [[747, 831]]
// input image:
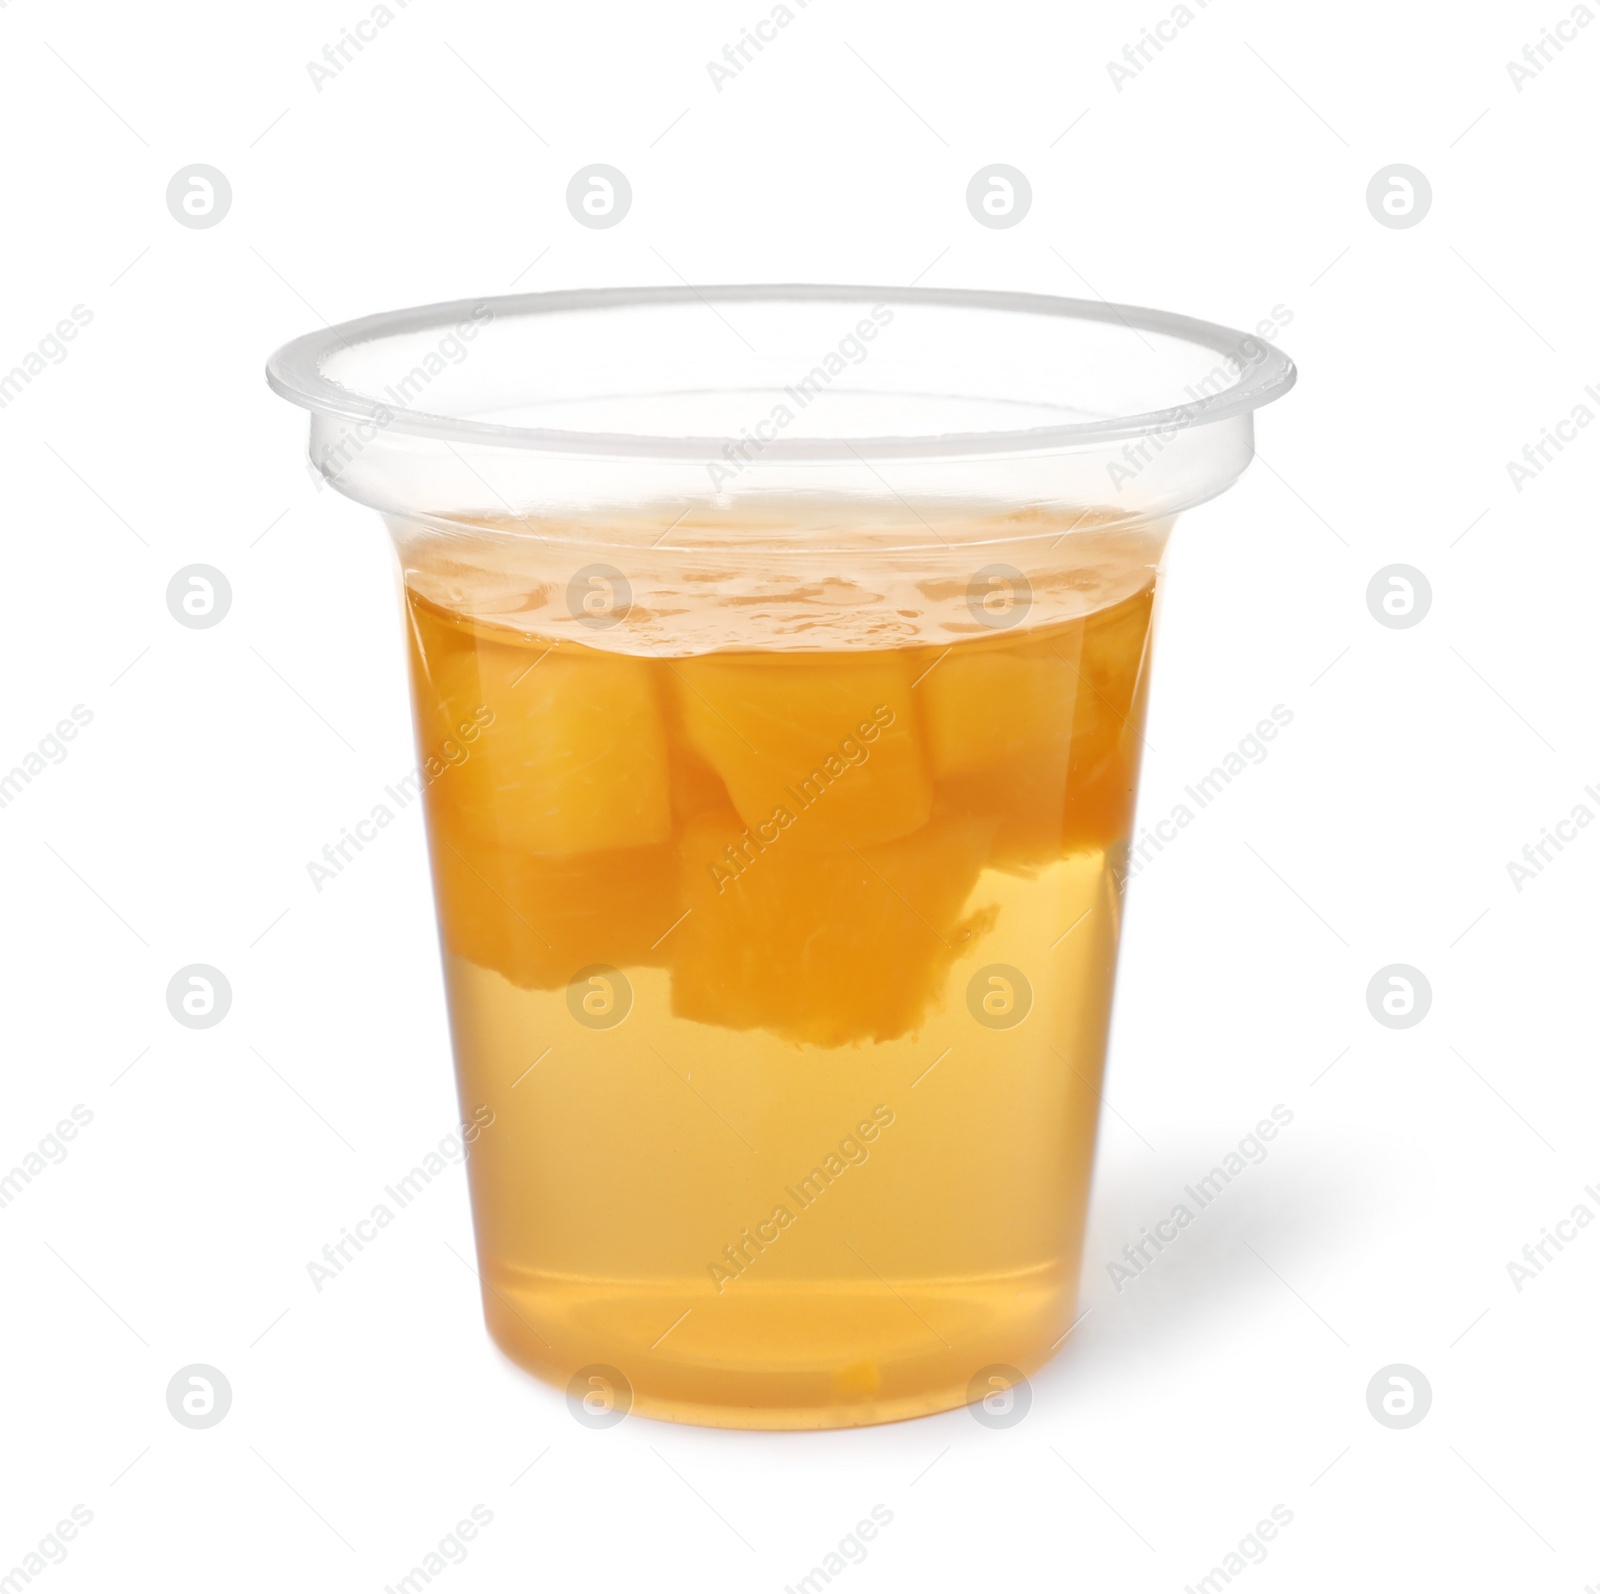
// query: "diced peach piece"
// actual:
[[1112, 665], [696, 786], [1108, 728], [1043, 733], [539, 920], [571, 754], [832, 742], [825, 947], [987, 707]]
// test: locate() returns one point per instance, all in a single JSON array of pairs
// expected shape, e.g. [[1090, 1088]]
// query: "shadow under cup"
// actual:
[[779, 659]]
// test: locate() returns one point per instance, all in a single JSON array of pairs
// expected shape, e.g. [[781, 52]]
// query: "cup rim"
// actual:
[[295, 372]]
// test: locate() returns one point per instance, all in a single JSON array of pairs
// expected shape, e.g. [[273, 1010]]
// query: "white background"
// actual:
[[1227, 177]]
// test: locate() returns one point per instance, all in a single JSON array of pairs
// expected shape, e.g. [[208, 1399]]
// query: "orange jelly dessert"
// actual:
[[785, 971]]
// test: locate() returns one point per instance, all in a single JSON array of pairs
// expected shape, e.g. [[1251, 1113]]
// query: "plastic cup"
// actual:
[[779, 658]]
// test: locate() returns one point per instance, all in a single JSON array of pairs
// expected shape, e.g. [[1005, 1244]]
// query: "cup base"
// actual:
[[803, 1357]]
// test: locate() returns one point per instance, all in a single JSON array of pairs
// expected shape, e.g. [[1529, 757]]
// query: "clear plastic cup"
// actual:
[[779, 658]]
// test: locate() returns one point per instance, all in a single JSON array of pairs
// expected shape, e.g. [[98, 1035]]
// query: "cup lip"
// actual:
[[295, 372]]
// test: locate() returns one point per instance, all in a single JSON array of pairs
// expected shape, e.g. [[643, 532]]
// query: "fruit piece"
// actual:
[[549, 749], [1043, 734], [1108, 724], [999, 730], [696, 786], [826, 947], [538, 920], [830, 741], [988, 707]]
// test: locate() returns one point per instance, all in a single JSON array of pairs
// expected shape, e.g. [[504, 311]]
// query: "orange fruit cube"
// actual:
[[827, 947], [831, 742]]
